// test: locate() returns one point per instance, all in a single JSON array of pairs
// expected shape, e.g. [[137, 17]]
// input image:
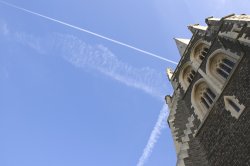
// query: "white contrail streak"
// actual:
[[154, 136], [87, 31]]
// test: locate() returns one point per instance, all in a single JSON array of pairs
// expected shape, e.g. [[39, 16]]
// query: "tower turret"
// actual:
[[181, 44]]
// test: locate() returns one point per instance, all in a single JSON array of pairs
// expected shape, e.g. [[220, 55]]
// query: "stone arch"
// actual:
[[199, 52], [202, 98], [186, 75], [219, 66]]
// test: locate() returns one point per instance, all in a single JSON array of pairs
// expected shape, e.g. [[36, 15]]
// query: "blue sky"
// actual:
[[70, 98]]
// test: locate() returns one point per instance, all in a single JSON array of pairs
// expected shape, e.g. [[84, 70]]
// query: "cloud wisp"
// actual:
[[4, 30], [154, 136], [101, 59], [92, 57]]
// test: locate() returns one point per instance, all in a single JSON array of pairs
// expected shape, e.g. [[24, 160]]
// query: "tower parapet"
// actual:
[[196, 27]]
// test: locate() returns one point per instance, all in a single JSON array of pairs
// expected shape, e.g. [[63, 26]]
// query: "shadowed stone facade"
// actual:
[[209, 109]]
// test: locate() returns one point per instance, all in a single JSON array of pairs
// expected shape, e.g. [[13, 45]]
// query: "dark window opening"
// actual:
[[208, 98], [204, 102], [203, 53], [228, 62], [222, 73], [191, 76], [235, 107], [206, 49], [225, 68], [210, 93], [201, 57]]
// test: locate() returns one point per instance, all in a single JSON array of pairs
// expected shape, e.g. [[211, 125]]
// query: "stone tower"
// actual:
[[209, 109]]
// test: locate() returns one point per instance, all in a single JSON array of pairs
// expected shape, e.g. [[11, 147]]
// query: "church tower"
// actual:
[[210, 107]]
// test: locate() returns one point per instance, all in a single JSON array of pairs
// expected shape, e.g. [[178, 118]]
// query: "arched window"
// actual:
[[220, 66], [207, 98], [202, 98], [186, 76], [224, 67], [198, 53]]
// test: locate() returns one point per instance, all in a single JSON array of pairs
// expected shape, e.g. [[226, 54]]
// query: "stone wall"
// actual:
[[220, 138], [225, 138]]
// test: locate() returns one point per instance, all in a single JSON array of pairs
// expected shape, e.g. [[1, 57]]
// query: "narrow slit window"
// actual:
[[228, 62], [208, 98], [201, 57], [222, 73], [206, 49], [203, 53], [211, 93], [235, 107], [191, 76], [187, 76], [225, 68], [204, 102]]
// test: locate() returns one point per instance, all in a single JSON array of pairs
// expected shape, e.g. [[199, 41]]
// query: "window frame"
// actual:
[[217, 78], [196, 98], [229, 107], [184, 78], [196, 59]]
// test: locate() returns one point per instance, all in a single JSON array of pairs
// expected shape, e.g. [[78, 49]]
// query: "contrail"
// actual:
[[154, 136], [87, 31]]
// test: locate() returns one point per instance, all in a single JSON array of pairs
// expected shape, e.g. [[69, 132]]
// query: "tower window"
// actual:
[[191, 75], [228, 62], [207, 98], [211, 93], [204, 102], [222, 73], [203, 53], [224, 67], [199, 53], [202, 98], [220, 66], [186, 77], [206, 49], [233, 106], [201, 57]]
